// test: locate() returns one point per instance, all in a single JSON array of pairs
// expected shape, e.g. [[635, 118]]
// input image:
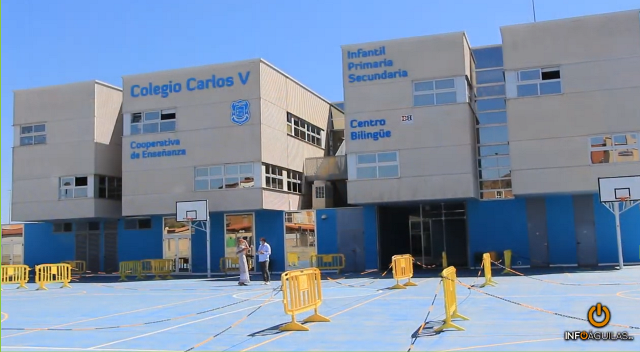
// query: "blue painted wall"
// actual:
[[140, 244], [561, 230], [270, 225], [327, 231], [371, 236], [42, 246], [606, 232], [497, 226]]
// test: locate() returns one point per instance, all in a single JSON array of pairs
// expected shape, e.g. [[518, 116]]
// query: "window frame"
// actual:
[[223, 176], [61, 228], [110, 194], [613, 148], [538, 81], [137, 222], [33, 134], [159, 121], [294, 180], [274, 173], [377, 164], [434, 91], [320, 192], [73, 187], [313, 134]]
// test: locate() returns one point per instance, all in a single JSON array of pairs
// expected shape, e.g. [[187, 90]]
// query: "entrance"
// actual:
[[12, 251], [177, 244], [425, 231], [240, 226]]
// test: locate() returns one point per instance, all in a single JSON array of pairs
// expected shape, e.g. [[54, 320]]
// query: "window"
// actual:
[[294, 181], [437, 92], [108, 187], [616, 148], [377, 165], [302, 129], [490, 57], [320, 192], [538, 81], [33, 134], [74, 187], [153, 122], [274, 177], [224, 176], [62, 227], [137, 224]]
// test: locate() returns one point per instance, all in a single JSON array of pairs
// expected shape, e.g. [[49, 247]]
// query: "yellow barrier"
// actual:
[[301, 292], [449, 281], [158, 267], [15, 274], [293, 259], [52, 273], [444, 260], [78, 267], [402, 269], [507, 261], [486, 263], [130, 268], [328, 261], [232, 264]]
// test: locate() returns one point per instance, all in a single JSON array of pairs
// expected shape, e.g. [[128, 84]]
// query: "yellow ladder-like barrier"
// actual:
[[449, 281], [15, 274], [402, 266], [130, 268], [486, 263], [328, 261], [232, 264], [52, 273], [301, 292], [78, 267], [158, 267]]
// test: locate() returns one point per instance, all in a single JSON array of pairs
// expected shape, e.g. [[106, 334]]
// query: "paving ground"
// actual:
[[100, 314]]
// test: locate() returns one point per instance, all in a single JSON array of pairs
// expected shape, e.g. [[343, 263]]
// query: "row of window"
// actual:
[[617, 148], [94, 186], [377, 165], [275, 177], [304, 130], [33, 134]]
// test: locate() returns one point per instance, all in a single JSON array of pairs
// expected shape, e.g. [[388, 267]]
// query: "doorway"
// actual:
[[240, 226], [177, 243], [88, 246], [299, 238], [12, 250], [425, 231]]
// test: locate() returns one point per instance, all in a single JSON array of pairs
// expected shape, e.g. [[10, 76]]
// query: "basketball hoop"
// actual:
[[189, 219]]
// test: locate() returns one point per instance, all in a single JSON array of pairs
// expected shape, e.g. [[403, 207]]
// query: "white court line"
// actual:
[[177, 326], [77, 349]]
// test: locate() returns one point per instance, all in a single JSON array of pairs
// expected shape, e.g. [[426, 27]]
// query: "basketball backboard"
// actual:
[[615, 189], [194, 210]]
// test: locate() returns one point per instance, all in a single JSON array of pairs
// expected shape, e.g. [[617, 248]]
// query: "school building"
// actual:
[[438, 147]]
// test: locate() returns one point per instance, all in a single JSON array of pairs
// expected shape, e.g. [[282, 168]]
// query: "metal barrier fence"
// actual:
[[158, 267], [130, 268], [449, 281], [402, 269], [15, 274], [486, 263], [52, 273], [78, 267], [507, 261], [328, 261], [232, 264], [301, 292], [293, 259]]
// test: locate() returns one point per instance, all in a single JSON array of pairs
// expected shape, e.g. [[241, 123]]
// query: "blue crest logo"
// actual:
[[240, 113]]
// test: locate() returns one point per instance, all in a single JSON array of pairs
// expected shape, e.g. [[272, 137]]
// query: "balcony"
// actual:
[[328, 168]]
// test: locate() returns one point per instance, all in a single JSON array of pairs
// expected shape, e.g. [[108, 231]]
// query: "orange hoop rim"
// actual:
[[623, 199]]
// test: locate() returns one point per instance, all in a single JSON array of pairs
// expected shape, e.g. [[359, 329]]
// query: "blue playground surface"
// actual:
[[101, 314]]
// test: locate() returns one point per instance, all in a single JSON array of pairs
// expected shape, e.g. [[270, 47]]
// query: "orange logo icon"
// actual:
[[599, 310]]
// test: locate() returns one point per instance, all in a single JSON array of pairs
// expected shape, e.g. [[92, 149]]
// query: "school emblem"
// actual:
[[240, 113]]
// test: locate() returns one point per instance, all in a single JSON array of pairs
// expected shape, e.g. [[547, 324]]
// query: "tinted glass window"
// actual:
[[488, 57], [490, 76], [491, 104]]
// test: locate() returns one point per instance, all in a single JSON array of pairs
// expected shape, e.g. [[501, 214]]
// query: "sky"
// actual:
[[57, 42]]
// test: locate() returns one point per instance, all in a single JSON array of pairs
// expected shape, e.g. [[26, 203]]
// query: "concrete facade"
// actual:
[[69, 131], [208, 137], [600, 80], [434, 149]]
